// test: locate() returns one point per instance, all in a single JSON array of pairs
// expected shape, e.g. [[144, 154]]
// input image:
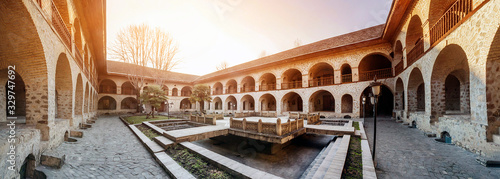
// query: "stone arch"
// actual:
[[414, 36], [398, 52], [186, 91], [416, 91], [400, 95], [186, 104], [374, 65], [128, 88], [64, 88], [322, 100], [493, 86], [231, 86], [452, 60], [347, 103], [165, 89], [385, 103], [247, 103], [107, 103], [174, 92], [321, 74], [107, 86], [267, 82], [218, 103], [267, 102], [291, 79], [129, 103], [218, 88], [292, 101], [346, 73], [247, 84], [79, 95], [21, 47], [19, 89], [231, 103]]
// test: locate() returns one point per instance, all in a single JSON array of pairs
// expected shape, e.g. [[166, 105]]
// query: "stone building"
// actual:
[[438, 61]]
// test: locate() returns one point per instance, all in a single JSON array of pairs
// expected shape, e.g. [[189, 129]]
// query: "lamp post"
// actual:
[[364, 101], [376, 92]]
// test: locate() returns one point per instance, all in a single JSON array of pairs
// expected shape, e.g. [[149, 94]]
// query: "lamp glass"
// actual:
[[372, 99], [376, 90]]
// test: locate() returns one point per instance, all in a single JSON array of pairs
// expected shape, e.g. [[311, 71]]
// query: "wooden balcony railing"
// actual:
[[399, 67], [79, 59], [321, 82], [380, 73], [450, 18], [217, 92], [60, 26], [247, 89], [291, 85], [347, 78], [185, 94], [267, 87], [416, 52], [231, 91]]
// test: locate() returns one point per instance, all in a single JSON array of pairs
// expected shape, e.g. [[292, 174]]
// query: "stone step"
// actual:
[[329, 159], [85, 126], [313, 167], [77, 134], [53, 160], [173, 169], [154, 127], [152, 146], [337, 166], [233, 167], [496, 139], [163, 141]]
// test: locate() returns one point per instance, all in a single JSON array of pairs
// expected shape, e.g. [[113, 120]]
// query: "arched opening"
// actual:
[[267, 82], [247, 84], [493, 87], [416, 91], [217, 103], [86, 59], [346, 73], [400, 95], [398, 58], [128, 88], [347, 103], [107, 86], [231, 87], [414, 40], [267, 102], [248, 103], [28, 167], [107, 103], [322, 101], [445, 14], [218, 88], [86, 100], [185, 104], [453, 61], [292, 102], [165, 89], [186, 91], [79, 95], [291, 79], [77, 36], [374, 65], [231, 103], [19, 89], [129, 103], [385, 103], [321, 74], [174, 92]]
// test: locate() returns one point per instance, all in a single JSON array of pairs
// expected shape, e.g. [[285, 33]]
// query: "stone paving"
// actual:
[[107, 150], [404, 152]]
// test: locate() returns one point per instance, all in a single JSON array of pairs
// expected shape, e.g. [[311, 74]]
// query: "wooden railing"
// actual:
[[231, 91], [217, 92], [267, 87], [346, 78], [203, 119], [450, 18], [277, 128], [291, 85], [185, 93], [60, 26], [79, 59], [247, 89], [399, 67], [380, 73], [321, 82], [416, 52]]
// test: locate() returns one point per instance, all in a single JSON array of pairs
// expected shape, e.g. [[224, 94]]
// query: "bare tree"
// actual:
[[142, 45], [223, 65]]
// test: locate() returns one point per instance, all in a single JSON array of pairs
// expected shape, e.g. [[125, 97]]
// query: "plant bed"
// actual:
[[142, 118], [150, 133], [195, 164], [353, 167], [355, 125]]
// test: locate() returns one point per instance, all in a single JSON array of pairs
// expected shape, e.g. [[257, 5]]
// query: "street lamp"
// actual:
[[364, 102], [169, 105], [374, 99]]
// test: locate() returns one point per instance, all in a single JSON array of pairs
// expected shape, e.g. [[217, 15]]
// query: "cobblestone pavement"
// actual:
[[404, 152], [107, 150]]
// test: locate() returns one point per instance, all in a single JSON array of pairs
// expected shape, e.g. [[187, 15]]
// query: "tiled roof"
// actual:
[[116, 67], [374, 32]]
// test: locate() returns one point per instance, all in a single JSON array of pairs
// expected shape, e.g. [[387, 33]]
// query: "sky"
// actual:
[[209, 32]]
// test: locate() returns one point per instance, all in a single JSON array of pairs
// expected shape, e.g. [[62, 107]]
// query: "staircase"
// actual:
[[329, 161]]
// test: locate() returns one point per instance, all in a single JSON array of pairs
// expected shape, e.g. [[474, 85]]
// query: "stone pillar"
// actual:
[[427, 38], [305, 80], [338, 76], [278, 127], [278, 83], [355, 74], [118, 89], [305, 106], [259, 126]]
